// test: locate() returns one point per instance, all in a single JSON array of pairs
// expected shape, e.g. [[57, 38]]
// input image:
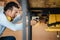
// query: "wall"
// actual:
[[39, 33]]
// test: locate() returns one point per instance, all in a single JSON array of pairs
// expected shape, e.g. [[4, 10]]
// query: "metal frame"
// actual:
[[29, 19], [25, 5]]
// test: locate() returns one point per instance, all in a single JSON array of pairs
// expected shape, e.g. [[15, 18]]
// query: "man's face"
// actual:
[[12, 13]]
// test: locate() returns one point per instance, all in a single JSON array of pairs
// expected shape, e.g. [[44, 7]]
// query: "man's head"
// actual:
[[11, 9]]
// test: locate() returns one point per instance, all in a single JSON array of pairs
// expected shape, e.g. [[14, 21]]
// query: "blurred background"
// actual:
[[38, 29]]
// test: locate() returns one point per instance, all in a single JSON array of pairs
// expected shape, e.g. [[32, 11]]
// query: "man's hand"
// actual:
[[33, 22]]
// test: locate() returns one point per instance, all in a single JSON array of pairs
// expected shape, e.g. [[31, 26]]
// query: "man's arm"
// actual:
[[6, 23]]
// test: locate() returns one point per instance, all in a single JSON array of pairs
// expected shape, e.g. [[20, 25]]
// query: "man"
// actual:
[[11, 11]]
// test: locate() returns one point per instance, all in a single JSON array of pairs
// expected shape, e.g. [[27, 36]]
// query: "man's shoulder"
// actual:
[[1, 9], [1, 14]]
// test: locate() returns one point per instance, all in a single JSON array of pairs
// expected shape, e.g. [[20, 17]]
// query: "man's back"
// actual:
[[2, 28]]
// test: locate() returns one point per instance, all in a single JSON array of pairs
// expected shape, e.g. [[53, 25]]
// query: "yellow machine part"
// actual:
[[52, 19], [53, 29]]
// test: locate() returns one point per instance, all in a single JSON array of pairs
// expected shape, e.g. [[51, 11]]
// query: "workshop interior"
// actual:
[[40, 18]]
